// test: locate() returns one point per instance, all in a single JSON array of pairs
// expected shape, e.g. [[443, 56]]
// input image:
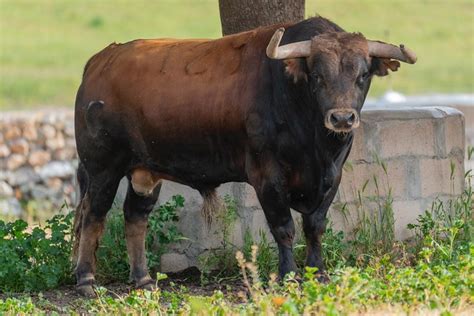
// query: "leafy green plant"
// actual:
[[267, 256], [162, 230], [447, 228], [34, 259], [112, 257]]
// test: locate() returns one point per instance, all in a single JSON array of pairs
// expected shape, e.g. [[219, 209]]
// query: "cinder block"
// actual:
[[407, 138], [436, 177], [454, 134], [374, 179], [405, 212], [358, 150]]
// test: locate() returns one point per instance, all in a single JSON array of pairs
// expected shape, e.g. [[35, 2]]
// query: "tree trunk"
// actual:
[[243, 15]]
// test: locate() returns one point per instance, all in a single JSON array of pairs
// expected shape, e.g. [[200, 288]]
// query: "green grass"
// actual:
[[44, 44]]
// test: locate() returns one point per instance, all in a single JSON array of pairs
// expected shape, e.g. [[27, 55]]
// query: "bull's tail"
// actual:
[[211, 206], [82, 179]]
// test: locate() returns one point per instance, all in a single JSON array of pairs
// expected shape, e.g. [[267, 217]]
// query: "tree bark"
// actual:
[[243, 15]]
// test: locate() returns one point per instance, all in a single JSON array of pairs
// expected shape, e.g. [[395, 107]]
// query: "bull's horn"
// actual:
[[293, 50], [384, 50]]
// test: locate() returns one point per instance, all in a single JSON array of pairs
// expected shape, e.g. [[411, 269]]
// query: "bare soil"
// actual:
[[66, 297]]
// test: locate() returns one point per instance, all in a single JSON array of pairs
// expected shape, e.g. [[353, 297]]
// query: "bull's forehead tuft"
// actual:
[[339, 43]]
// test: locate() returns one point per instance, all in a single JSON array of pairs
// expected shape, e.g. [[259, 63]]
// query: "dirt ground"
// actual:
[[65, 297]]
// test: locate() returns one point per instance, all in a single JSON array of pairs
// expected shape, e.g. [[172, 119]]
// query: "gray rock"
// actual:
[[57, 169], [11, 207], [173, 262], [39, 192], [22, 176], [5, 189], [4, 175]]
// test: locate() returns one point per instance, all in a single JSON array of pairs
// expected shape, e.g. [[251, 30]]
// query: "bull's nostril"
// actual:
[[351, 118], [334, 118]]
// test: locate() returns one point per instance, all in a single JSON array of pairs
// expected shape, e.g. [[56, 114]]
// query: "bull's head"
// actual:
[[338, 68]]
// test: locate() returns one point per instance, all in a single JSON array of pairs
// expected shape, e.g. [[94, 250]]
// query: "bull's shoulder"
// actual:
[[100, 56]]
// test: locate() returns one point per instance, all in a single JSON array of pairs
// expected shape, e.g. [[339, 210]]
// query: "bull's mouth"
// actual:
[[342, 120]]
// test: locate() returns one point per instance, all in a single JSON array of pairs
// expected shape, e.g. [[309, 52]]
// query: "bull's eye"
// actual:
[[363, 78], [317, 79]]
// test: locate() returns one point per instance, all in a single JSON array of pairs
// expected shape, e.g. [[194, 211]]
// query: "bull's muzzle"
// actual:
[[342, 120]]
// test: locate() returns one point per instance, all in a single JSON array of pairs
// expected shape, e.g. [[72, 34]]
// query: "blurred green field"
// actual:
[[44, 44]]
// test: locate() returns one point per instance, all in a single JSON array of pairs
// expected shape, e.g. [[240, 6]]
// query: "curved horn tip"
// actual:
[[409, 54], [272, 48]]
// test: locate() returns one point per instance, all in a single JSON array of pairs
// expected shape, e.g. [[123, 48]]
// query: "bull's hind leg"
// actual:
[[97, 201], [136, 208]]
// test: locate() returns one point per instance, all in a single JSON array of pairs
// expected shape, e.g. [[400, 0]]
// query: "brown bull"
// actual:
[[204, 112]]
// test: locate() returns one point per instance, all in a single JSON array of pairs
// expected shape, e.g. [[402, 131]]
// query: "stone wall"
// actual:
[[37, 160], [410, 155]]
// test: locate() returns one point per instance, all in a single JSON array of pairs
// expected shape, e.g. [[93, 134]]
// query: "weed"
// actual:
[[447, 227], [374, 230], [162, 230], [35, 259], [267, 256], [112, 258]]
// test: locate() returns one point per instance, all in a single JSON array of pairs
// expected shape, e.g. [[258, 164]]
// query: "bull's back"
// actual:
[[191, 84]]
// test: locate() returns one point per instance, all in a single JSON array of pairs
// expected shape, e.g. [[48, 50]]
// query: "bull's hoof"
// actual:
[[86, 290], [147, 283]]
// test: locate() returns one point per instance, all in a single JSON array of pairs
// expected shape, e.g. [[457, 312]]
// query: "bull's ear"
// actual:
[[296, 69], [380, 66]]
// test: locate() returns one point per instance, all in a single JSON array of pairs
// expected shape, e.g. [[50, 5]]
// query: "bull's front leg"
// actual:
[[278, 215], [314, 226]]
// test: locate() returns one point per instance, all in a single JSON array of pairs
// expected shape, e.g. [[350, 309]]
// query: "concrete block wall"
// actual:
[[415, 155]]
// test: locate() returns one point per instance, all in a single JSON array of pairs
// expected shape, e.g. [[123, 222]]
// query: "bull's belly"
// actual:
[[196, 167]]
